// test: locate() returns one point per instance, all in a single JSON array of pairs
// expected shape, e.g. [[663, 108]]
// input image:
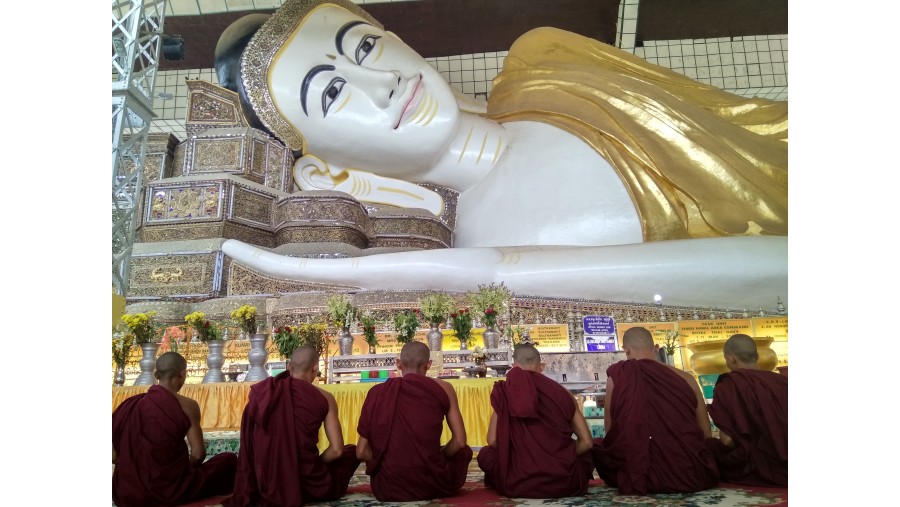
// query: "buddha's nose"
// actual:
[[381, 86]]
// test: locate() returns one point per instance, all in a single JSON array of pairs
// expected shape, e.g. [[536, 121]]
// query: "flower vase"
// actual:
[[257, 358], [148, 364], [464, 345], [670, 359], [345, 342], [214, 361], [491, 338], [119, 379], [372, 349], [435, 338]]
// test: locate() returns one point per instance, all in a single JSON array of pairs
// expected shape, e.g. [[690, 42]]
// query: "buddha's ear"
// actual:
[[313, 173]]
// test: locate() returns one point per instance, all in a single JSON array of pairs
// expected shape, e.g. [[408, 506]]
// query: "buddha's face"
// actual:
[[360, 97]]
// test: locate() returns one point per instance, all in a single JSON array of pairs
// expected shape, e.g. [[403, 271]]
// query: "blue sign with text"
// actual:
[[599, 325]]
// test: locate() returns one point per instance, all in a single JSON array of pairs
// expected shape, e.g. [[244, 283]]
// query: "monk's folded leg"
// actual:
[[585, 466], [329, 481], [604, 464], [487, 462], [218, 475], [459, 468], [342, 470]]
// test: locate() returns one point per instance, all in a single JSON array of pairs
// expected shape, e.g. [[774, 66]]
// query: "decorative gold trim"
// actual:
[[261, 51]]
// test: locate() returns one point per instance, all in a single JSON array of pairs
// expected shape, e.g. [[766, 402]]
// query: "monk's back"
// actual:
[[415, 437], [751, 406], [535, 455], [654, 443], [148, 436], [402, 421]]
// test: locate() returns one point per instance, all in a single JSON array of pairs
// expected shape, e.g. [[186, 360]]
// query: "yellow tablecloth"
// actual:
[[222, 404]]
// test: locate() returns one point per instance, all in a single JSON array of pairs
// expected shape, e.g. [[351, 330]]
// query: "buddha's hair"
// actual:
[[245, 52]]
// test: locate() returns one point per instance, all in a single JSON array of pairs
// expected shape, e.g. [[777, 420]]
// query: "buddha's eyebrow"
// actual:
[[339, 38], [308, 79]]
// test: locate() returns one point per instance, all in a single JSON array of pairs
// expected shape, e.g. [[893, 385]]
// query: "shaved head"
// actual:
[[415, 355], [304, 359], [638, 338], [170, 365], [527, 356], [741, 347]]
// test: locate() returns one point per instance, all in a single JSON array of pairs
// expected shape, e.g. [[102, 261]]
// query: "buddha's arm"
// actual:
[[740, 272]]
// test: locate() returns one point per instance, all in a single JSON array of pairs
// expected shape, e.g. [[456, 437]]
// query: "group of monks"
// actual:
[[539, 445]]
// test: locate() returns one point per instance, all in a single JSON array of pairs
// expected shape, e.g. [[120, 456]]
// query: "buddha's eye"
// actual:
[[332, 91], [366, 45]]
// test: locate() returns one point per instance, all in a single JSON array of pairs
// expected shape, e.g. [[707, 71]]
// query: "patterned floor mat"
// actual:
[[473, 493]]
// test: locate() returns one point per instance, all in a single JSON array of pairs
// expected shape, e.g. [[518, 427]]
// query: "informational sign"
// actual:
[[550, 337], [599, 333]]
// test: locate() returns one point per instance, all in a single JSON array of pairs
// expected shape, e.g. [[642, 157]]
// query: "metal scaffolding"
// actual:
[[137, 29]]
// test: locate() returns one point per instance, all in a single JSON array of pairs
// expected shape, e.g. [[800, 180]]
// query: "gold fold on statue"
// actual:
[[697, 161]]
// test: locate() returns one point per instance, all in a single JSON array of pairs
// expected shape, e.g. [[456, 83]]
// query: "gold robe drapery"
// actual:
[[696, 160]]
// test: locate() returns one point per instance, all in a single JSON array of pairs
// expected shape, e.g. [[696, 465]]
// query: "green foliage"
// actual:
[[489, 301], [406, 323], [245, 318], [121, 346], [142, 326], [461, 322], [286, 340], [436, 307], [341, 311], [367, 322], [312, 335], [206, 330]]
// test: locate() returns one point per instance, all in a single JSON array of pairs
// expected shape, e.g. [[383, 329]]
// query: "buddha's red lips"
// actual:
[[413, 101]]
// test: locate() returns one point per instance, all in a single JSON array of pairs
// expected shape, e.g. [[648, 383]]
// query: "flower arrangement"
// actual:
[[340, 310], [245, 318], [517, 333], [206, 330], [367, 323], [671, 342], [461, 322], [488, 300], [478, 355], [286, 340], [406, 323], [312, 335], [436, 307], [141, 326], [121, 346]]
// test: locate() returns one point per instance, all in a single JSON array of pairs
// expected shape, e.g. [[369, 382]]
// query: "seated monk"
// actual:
[[750, 408], [279, 462], [400, 433], [153, 465], [530, 451], [656, 424]]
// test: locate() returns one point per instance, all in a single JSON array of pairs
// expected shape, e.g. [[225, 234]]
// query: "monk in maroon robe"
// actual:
[[279, 462], [750, 408], [656, 425], [153, 465], [400, 434], [530, 451]]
